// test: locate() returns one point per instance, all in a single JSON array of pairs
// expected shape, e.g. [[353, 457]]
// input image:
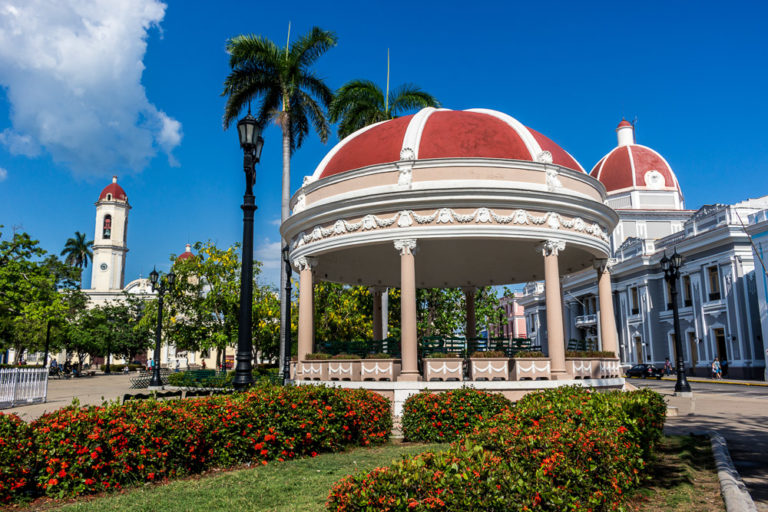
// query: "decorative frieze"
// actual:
[[408, 218]]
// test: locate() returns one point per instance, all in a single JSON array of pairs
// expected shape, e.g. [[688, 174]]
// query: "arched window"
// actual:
[[107, 232], [109, 197]]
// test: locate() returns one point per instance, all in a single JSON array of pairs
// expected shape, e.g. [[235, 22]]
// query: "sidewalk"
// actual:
[[721, 381], [89, 390]]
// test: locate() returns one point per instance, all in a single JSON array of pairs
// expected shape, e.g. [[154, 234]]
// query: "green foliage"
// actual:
[[566, 449], [112, 328], [342, 312], [318, 356], [78, 250], [442, 311], [488, 354], [443, 355], [16, 457], [441, 417], [86, 450], [360, 103], [589, 353], [528, 353]]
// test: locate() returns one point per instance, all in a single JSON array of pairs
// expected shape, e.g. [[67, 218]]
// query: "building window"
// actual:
[[713, 274], [533, 324], [687, 295], [107, 230], [669, 294], [634, 301]]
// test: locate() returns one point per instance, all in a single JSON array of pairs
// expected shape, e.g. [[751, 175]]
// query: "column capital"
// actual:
[[551, 247], [377, 289], [305, 263], [469, 289], [603, 264], [405, 246]]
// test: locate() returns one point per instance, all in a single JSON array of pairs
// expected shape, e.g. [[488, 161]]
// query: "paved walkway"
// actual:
[[738, 412], [89, 390]]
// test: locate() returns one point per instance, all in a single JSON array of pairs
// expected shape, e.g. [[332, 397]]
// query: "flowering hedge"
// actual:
[[430, 417], [16, 457], [95, 449], [564, 449]]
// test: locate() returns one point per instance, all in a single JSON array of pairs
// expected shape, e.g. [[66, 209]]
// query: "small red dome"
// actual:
[[635, 166], [624, 123], [441, 133], [186, 254], [113, 192]]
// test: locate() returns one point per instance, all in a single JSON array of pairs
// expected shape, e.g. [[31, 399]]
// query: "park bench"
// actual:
[[142, 379]]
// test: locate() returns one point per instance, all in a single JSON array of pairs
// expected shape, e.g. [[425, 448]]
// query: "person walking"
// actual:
[[716, 369], [667, 367]]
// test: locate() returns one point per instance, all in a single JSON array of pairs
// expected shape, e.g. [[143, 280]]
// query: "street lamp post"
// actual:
[[671, 268], [249, 132], [160, 286], [287, 305]]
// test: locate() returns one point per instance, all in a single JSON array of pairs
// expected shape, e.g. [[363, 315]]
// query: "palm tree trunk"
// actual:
[[285, 322]]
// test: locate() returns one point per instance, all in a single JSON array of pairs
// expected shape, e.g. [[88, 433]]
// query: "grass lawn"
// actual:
[[683, 479], [297, 485]]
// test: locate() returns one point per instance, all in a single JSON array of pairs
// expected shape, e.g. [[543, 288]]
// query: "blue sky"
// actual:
[[136, 92]]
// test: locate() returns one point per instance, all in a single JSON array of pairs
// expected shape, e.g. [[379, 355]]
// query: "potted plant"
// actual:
[[443, 366], [379, 367], [531, 365], [489, 365], [313, 367]]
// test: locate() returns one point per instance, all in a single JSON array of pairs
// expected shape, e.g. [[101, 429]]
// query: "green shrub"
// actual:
[[443, 355], [566, 449], [380, 355], [345, 356], [489, 353], [529, 353], [589, 353], [95, 449], [317, 356], [429, 417], [17, 455]]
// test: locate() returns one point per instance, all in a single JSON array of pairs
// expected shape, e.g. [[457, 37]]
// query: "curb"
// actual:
[[712, 381], [735, 494]]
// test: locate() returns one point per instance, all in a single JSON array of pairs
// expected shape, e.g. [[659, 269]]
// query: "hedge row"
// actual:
[[93, 449], [443, 417], [563, 449]]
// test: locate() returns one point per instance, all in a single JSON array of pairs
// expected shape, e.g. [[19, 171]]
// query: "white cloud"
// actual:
[[276, 222], [72, 73], [3, 174]]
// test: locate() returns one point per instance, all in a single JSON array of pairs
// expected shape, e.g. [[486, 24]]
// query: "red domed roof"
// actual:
[[635, 166], [186, 254], [433, 133], [624, 123], [115, 192]]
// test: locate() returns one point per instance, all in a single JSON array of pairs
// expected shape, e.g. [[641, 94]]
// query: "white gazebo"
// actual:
[[450, 199]]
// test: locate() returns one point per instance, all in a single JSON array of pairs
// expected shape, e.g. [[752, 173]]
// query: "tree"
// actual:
[[360, 103], [77, 251], [343, 312], [442, 311], [289, 93]]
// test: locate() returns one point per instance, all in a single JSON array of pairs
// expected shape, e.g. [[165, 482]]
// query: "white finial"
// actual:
[[189, 248], [114, 179], [625, 133]]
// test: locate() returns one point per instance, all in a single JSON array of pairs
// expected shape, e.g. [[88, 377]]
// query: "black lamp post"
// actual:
[[160, 286], [671, 268], [249, 132], [287, 305]]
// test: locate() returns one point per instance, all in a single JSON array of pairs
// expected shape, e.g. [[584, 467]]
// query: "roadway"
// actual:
[[739, 411]]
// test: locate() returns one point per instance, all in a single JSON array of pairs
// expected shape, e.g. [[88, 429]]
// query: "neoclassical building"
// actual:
[[718, 301], [448, 198]]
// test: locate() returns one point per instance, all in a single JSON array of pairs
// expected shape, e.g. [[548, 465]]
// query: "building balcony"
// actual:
[[586, 320]]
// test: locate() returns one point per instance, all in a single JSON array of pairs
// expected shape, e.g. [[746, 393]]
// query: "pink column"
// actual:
[[555, 336], [608, 334], [409, 341], [306, 311]]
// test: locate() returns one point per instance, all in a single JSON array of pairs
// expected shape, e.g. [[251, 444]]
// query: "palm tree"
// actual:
[[360, 103], [290, 93], [77, 251]]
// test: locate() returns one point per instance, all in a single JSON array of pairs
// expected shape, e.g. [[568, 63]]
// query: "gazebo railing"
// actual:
[[361, 348]]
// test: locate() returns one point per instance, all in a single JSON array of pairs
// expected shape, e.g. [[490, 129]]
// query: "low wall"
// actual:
[[398, 392]]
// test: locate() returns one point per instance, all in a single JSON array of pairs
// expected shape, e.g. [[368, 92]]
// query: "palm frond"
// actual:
[[309, 47], [410, 97]]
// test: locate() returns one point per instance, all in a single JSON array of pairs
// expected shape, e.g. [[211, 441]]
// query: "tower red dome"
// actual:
[[633, 166], [440, 133], [186, 254], [113, 192]]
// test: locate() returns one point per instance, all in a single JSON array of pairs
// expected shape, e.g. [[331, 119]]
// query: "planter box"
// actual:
[[531, 368], [582, 368], [489, 368], [610, 368], [312, 370], [344, 369], [379, 369], [443, 369]]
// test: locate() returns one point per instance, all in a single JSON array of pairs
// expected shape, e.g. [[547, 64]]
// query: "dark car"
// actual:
[[645, 371]]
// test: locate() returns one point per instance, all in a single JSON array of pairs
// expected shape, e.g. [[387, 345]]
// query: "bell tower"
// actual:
[[109, 240]]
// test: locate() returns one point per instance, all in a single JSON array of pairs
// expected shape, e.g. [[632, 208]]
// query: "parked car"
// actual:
[[644, 371]]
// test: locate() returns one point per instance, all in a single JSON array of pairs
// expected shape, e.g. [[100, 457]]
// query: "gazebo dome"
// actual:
[[113, 192], [633, 167], [440, 134]]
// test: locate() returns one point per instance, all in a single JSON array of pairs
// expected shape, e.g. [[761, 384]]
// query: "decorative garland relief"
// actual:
[[407, 218]]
